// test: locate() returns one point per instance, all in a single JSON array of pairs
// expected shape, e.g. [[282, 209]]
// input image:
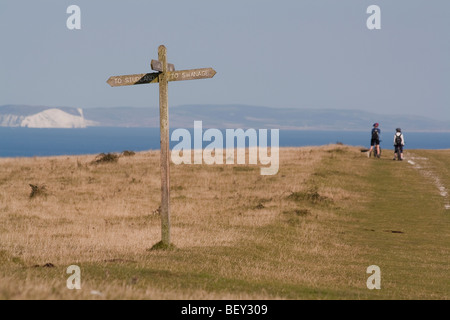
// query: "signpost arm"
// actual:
[[164, 127]]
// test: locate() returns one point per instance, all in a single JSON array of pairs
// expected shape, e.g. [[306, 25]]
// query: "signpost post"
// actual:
[[166, 73]]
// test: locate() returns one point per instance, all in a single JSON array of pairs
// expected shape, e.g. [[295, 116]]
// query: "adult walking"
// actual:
[[375, 141], [399, 142]]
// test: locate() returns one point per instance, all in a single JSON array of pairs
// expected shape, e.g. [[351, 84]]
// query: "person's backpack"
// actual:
[[374, 134], [398, 139]]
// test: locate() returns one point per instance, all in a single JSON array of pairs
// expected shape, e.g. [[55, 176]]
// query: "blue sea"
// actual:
[[27, 142]]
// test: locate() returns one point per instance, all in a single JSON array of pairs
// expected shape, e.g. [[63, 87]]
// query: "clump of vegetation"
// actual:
[[337, 150], [294, 216], [106, 158], [38, 190], [157, 211], [243, 169], [128, 153], [311, 195], [47, 265], [259, 206], [298, 212], [163, 246]]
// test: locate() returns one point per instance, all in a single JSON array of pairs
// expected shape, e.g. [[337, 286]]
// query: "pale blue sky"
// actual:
[[286, 53]]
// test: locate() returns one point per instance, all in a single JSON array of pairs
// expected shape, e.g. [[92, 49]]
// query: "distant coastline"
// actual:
[[214, 116]]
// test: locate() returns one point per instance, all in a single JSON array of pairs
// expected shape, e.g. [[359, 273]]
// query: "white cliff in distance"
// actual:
[[49, 118]]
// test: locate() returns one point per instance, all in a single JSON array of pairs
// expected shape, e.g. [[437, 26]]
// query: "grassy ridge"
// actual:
[[308, 232]]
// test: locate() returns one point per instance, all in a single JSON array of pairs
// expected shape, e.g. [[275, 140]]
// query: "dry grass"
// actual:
[[237, 234]]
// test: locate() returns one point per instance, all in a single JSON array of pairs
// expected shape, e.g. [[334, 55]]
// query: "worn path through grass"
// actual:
[[405, 226]]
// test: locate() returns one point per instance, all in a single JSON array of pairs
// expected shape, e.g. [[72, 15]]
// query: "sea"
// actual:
[[31, 142]]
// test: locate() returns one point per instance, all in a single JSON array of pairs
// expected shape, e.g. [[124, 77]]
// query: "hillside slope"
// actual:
[[309, 232]]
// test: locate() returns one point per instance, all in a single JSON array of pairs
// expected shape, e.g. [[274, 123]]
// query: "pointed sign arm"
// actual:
[[132, 79], [193, 74], [143, 78]]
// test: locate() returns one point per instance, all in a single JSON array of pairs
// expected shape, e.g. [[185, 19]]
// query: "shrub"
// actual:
[[311, 195], [128, 153], [38, 190], [106, 158]]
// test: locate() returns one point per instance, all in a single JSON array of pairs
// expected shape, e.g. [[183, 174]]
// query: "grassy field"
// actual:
[[309, 232]]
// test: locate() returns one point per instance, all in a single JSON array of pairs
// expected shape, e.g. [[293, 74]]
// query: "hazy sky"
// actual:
[[286, 53]]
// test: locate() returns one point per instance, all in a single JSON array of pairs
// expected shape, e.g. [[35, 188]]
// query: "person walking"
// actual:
[[399, 142], [375, 140]]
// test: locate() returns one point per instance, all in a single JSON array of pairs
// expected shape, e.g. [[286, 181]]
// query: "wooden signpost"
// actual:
[[166, 72]]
